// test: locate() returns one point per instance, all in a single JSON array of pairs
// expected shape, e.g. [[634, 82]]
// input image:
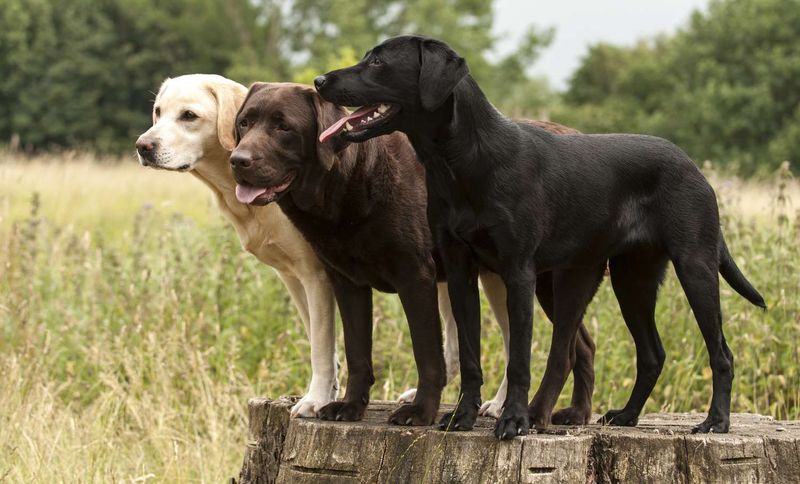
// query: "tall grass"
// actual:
[[133, 328]]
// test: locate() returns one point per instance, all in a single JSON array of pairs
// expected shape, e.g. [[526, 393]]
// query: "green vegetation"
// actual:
[[129, 344], [133, 329], [726, 87], [80, 73]]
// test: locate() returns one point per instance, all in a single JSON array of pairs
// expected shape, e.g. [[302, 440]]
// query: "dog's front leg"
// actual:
[[450, 343], [419, 303], [462, 285], [520, 288], [355, 307], [322, 336]]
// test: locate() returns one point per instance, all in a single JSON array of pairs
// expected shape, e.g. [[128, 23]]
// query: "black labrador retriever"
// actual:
[[518, 200], [362, 207]]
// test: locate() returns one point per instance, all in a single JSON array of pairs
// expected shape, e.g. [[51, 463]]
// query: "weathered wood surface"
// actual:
[[660, 449]]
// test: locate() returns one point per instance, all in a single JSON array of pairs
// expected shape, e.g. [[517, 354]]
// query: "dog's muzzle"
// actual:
[[146, 149]]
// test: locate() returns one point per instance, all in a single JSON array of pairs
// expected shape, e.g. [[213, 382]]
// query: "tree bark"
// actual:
[[660, 449]]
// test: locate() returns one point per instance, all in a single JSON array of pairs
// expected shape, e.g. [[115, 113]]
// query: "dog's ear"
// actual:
[[229, 99], [440, 70], [254, 88], [326, 114], [160, 93]]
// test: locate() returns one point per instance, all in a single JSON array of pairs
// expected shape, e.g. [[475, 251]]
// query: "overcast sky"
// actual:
[[580, 23]]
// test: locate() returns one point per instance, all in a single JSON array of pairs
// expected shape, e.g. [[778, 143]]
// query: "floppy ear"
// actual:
[[440, 70], [326, 114], [229, 98], [234, 133], [160, 92]]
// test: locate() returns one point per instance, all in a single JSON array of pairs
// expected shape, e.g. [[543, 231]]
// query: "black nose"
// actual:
[[319, 81], [145, 147], [241, 159]]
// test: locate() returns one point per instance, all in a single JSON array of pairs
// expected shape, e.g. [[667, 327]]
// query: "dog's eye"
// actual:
[[375, 62], [283, 126], [188, 116], [158, 112], [243, 123]]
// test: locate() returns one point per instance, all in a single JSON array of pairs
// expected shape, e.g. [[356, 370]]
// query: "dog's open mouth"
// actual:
[[251, 195], [361, 119]]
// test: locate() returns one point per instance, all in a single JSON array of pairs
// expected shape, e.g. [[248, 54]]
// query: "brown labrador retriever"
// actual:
[[362, 208]]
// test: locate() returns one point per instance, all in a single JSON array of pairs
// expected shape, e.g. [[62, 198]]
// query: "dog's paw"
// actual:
[[620, 418], [512, 423], [718, 425], [413, 414], [571, 416], [407, 396], [347, 411], [463, 418], [491, 408], [307, 407]]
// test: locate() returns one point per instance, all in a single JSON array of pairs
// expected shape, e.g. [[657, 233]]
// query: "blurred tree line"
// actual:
[[82, 73], [726, 87]]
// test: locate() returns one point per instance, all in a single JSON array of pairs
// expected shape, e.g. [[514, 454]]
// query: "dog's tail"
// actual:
[[731, 273]]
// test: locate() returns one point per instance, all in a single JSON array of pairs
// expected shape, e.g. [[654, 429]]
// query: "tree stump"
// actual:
[[660, 449]]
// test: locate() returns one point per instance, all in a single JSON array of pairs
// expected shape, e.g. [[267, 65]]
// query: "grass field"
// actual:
[[133, 328]]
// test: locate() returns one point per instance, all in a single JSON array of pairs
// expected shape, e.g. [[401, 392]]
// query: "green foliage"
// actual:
[[727, 87], [80, 73]]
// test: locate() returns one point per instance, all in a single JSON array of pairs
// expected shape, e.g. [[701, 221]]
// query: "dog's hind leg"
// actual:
[[580, 409], [635, 278], [495, 292], [699, 278], [573, 289]]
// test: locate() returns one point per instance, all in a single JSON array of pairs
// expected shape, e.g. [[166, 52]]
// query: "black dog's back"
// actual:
[[642, 184]]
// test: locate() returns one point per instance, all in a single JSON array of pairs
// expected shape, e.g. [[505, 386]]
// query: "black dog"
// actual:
[[518, 200]]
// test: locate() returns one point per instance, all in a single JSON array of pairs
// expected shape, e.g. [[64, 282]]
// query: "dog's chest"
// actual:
[[362, 263], [267, 250], [359, 252], [481, 234]]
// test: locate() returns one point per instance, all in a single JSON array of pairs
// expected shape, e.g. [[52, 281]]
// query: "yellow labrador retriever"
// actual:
[[192, 131]]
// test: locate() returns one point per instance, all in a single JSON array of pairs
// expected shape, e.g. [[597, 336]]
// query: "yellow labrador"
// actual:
[[192, 131]]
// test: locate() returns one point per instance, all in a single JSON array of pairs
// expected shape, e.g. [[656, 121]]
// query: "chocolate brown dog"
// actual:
[[363, 209]]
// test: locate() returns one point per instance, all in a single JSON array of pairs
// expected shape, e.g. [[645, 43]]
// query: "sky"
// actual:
[[580, 23]]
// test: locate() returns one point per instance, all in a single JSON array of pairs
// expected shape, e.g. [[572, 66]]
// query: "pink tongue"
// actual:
[[338, 125], [246, 193]]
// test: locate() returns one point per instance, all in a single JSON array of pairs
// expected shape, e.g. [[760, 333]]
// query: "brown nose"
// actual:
[[241, 159], [145, 146]]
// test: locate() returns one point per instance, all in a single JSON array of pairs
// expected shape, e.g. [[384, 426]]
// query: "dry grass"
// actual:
[[133, 329], [75, 189]]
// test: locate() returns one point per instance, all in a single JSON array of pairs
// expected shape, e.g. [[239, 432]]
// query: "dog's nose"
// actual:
[[145, 146], [319, 81], [241, 159]]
